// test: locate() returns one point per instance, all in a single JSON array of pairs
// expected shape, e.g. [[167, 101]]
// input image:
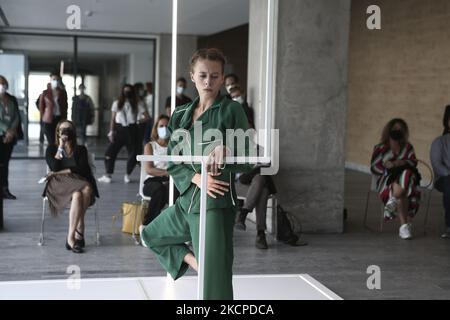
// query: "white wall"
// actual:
[[256, 59]]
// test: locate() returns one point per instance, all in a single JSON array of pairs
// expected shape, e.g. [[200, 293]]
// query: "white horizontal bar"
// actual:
[[199, 159]]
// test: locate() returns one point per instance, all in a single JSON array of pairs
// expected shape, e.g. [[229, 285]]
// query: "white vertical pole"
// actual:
[[156, 82], [269, 77], [174, 76], [202, 231]]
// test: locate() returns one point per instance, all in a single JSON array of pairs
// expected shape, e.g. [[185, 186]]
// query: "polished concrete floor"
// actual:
[[416, 269]]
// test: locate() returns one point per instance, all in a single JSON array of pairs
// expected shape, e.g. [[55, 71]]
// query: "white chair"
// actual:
[[373, 188], [44, 208], [141, 197], [425, 186]]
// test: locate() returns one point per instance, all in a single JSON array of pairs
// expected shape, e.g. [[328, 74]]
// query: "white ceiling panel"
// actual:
[[196, 17]]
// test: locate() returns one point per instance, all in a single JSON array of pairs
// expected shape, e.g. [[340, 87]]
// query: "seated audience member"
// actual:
[[70, 181], [259, 189], [440, 160], [394, 163], [156, 184], [237, 95], [231, 81]]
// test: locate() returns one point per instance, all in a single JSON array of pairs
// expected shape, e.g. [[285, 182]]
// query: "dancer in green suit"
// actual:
[[167, 234]]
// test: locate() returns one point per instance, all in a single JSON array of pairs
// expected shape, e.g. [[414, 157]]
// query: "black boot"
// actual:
[[7, 194], [261, 242], [240, 220]]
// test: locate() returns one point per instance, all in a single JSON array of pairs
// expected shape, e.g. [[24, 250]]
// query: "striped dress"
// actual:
[[407, 179]]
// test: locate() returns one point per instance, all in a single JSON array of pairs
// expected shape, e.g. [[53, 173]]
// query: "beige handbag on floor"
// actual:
[[128, 212]]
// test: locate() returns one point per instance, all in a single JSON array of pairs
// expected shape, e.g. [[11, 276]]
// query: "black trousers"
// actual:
[[124, 136], [6, 150], [158, 189], [49, 130]]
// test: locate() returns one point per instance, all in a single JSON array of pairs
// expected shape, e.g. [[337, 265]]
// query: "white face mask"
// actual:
[[180, 90], [54, 84], [239, 100], [163, 133], [229, 87], [2, 89]]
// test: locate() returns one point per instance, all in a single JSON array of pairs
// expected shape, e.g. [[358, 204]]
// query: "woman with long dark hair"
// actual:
[[394, 162], [70, 180], [127, 113]]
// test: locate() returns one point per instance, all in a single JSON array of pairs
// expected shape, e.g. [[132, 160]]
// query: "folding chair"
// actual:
[[44, 208], [141, 197], [373, 188], [425, 186]]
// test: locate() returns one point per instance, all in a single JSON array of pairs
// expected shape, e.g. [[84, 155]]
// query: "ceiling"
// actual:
[[195, 17]]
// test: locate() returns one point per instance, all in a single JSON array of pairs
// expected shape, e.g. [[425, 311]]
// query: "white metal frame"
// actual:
[[203, 196]]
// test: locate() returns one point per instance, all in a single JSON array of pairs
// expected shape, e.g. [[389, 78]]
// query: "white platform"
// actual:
[[251, 287]]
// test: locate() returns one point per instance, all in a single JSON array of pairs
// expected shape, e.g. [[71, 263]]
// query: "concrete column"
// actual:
[[311, 100]]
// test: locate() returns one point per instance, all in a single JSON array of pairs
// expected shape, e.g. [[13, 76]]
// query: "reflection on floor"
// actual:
[[417, 269], [268, 287]]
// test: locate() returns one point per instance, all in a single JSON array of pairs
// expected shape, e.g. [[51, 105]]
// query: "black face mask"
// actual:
[[68, 132], [396, 135], [127, 94]]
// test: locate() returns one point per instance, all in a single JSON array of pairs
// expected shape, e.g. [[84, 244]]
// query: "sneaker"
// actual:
[[141, 228], [405, 232], [104, 179], [390, 208], [261, 242], [446, 234], [126, 178]]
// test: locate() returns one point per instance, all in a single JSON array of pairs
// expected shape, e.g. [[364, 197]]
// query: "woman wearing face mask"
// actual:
[[231, 81], [394, 162], [9, 125], [181, 98], [156, 185], [70, 181], [53, 106], [167, 234], [236, 95], [127, 113]]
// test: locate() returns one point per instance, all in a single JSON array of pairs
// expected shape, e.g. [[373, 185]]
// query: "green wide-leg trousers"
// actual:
[[166, 237]]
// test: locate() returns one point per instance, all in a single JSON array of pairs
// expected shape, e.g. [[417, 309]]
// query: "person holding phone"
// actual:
[[70, 180]]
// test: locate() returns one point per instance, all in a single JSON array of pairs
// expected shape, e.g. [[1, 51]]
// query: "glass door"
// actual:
[[13, 67]]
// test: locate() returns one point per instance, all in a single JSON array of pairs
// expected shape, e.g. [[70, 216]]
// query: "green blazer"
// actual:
[[209, 131]]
